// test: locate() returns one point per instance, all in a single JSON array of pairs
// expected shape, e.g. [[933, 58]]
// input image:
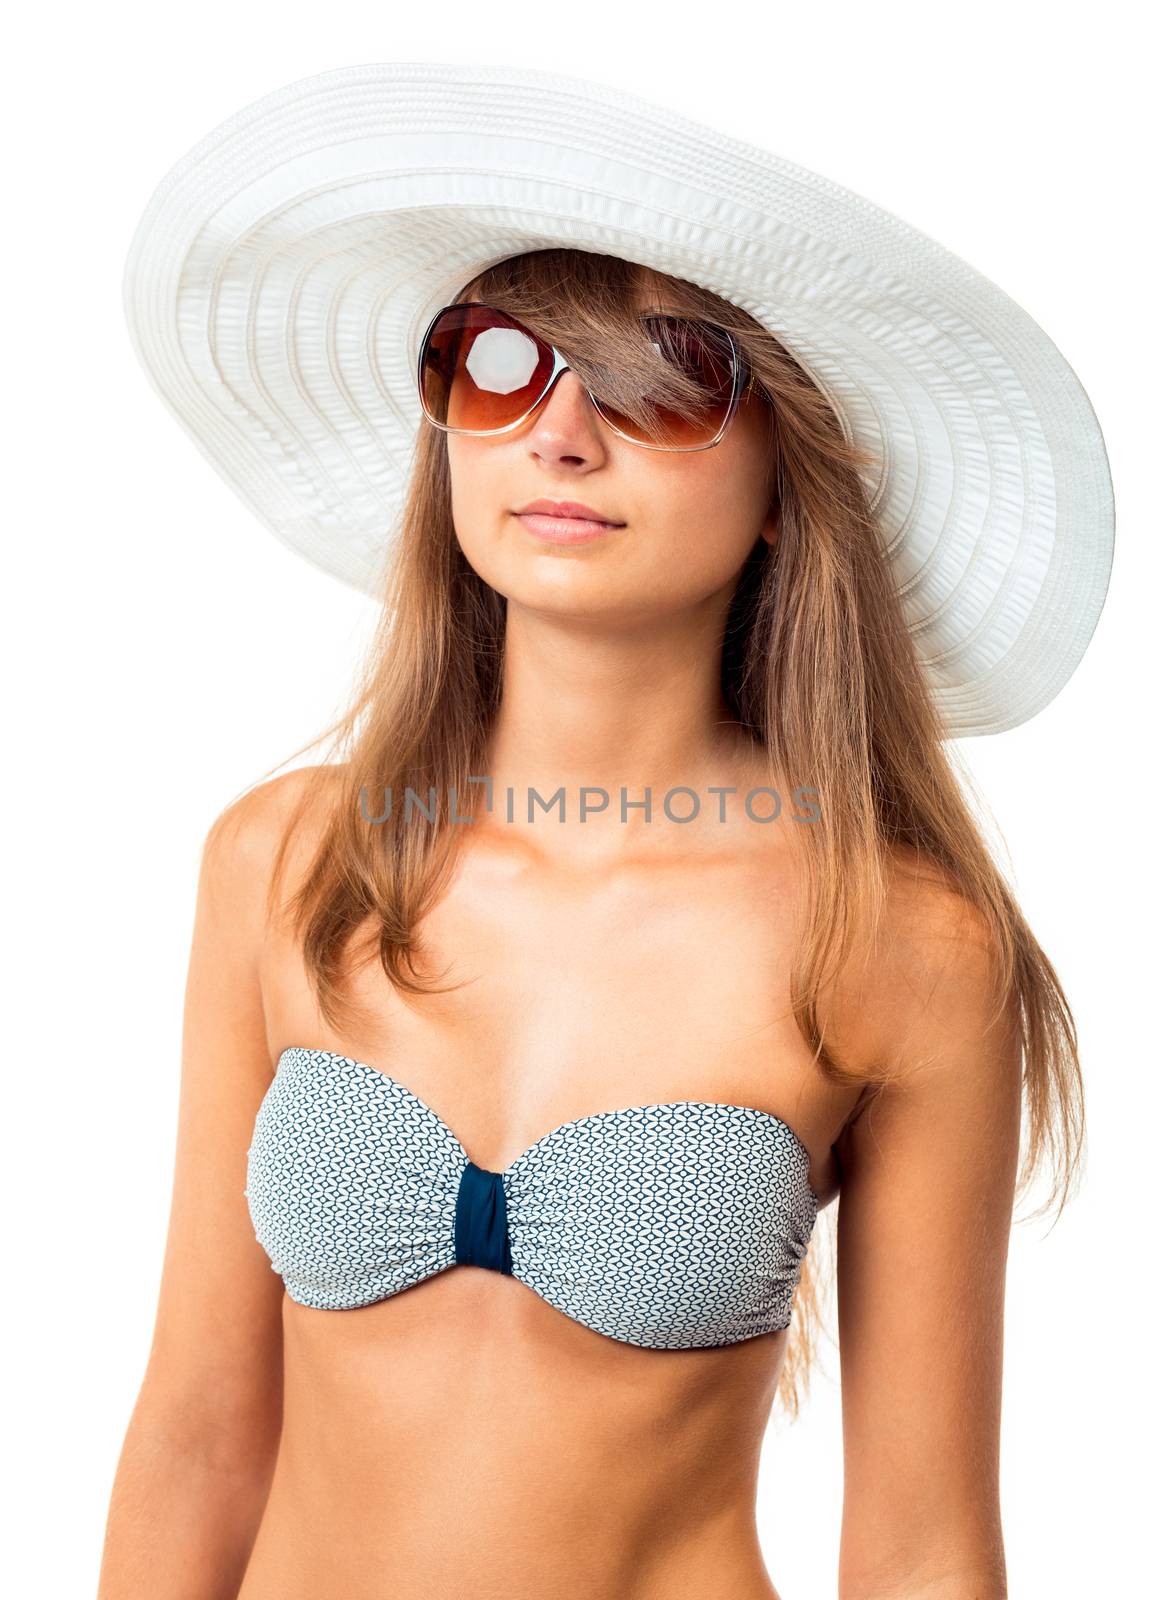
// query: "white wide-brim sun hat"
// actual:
[[285, 270]]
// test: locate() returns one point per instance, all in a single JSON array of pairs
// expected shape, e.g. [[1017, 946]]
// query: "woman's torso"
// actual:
[[463, 1436]]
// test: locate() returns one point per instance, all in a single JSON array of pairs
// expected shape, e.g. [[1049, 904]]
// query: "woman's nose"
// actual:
[[566, 421]]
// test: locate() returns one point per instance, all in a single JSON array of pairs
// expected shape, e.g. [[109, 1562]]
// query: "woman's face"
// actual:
[[689, 519]]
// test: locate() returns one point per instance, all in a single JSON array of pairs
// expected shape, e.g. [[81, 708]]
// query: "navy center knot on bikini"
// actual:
[[481, 1232]]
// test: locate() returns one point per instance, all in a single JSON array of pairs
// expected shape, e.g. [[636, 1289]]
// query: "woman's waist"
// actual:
[[486, 1521], [417, 1440]]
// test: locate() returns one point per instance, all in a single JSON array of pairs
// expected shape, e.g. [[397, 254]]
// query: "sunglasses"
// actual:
[[482, 371]]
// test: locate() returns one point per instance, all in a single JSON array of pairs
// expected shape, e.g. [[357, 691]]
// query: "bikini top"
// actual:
[[678, 1226]]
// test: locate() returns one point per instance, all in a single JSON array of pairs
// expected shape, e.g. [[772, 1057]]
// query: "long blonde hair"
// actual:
[[818, 665]]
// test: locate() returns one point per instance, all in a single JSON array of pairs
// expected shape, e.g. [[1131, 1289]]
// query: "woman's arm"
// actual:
[[198, 1455], [925, 1208]]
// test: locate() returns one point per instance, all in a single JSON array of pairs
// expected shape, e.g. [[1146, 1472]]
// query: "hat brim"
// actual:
[[285, 269]]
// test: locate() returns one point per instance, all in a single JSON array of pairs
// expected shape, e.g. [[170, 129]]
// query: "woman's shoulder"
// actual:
[[263, 813], [927, 972], [924, 902], [273, 828]]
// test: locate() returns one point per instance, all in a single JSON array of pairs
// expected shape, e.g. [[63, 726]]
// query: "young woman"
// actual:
[[635, 921]]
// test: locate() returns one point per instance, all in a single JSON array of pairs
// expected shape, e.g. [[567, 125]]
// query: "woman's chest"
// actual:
[[561, 995]]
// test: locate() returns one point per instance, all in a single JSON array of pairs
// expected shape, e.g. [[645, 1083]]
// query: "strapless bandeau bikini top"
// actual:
[[677, 1226]]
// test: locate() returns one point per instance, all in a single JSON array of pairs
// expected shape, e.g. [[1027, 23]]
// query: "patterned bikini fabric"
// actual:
[[676, 1226]]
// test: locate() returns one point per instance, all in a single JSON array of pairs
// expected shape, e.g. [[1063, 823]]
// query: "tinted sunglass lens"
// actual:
[[705, 355], [481, 370]]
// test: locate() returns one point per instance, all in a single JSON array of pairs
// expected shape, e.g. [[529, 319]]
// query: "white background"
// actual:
[[163, 651]]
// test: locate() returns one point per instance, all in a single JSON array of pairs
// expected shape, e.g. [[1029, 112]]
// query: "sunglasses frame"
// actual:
[[743, 381]]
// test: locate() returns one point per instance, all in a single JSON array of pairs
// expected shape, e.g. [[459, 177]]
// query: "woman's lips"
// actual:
[[565, 530]]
